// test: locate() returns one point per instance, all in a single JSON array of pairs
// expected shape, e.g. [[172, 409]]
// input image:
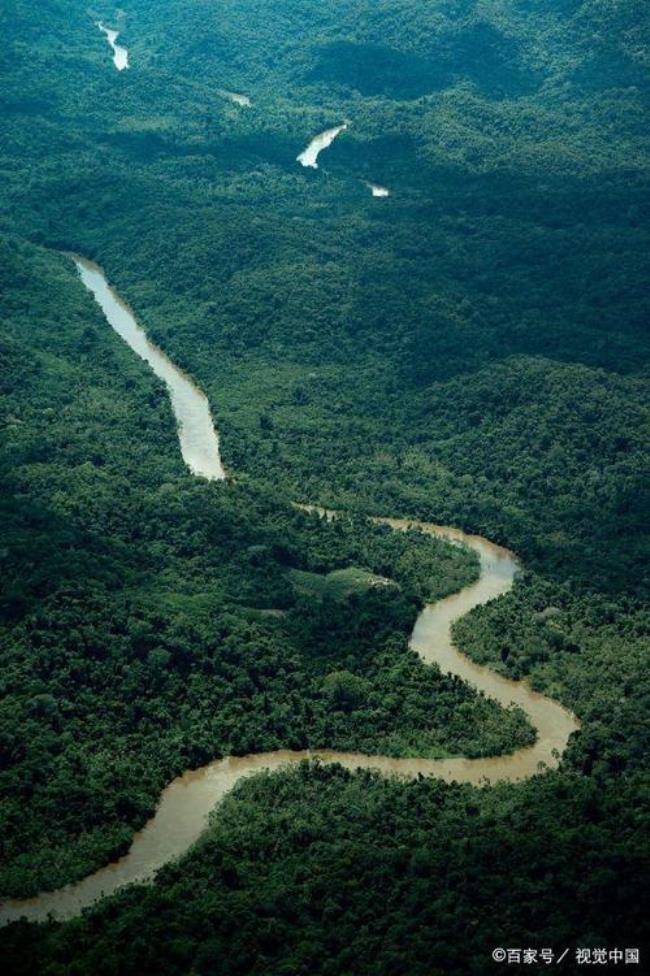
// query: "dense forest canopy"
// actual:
[[520, 224], [471, 349]]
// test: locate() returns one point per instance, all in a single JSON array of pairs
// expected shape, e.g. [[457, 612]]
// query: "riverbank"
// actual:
[[184, 805]]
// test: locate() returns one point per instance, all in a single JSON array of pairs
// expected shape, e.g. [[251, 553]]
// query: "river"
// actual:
[[242, 100], [309, 156], [182, 812], [378, 191], [197, 435], [120, 54]]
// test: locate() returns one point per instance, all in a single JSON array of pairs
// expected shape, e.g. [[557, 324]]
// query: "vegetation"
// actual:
[[588, 651], [282, 290], [139, 643], [472, 349], [287, 881]]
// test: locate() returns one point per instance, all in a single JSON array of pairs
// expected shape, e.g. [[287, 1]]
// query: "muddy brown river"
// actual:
[[184, 805]]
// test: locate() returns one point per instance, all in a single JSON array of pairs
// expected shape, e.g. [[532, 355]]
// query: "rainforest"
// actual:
[[325, 509]]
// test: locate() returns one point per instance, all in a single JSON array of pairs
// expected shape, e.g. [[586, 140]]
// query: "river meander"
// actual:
[[184, 805]]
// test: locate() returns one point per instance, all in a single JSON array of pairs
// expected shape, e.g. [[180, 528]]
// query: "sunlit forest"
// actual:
[[470, 348]]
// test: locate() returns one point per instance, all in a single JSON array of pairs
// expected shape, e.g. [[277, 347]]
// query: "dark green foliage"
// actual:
[[135, 642], [317, 871], [473, 349], [356, 326], [479, 54], [590, 652]]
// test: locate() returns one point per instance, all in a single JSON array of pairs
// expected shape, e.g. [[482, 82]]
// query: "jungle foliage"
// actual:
[[472, 349], [137, 639]]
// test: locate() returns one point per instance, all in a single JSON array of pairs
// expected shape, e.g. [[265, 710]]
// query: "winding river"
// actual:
[[184, 805], [120, 54]]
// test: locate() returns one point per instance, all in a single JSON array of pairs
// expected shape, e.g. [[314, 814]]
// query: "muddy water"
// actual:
[[198, 438], [185, 803], [120, 54], [309, 156]]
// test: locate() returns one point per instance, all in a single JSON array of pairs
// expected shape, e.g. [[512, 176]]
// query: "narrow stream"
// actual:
[[120, 54], [309, 156], [185, 803]]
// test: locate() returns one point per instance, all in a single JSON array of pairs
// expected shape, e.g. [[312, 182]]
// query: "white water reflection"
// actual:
[[120, 54], [309, 156], [238, 99]]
